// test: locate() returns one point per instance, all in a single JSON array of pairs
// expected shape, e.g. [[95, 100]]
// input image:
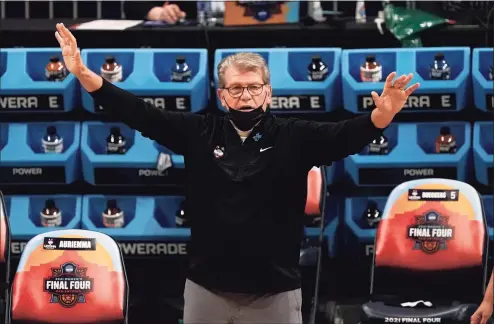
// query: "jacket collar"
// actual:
[[263, 128]]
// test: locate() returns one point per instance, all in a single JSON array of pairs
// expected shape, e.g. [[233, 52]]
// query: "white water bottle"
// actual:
[[315, 11], [360, 12]]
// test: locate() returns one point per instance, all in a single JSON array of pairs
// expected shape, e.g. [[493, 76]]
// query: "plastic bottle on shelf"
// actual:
[[50, 215], [111, 70], [440, 70], [360, 12], [113, 216], [372, 215], [116, 143], [371, 70], [52, 142], [55, 70], [445, 142], [317, 69], [379, 145], [181, 71], [181, 215]]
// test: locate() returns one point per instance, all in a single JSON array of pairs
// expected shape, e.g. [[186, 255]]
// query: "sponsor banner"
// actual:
[[418, 102], [29, 102], [35, 174], [139, 176], [298, 102], [395, 176]]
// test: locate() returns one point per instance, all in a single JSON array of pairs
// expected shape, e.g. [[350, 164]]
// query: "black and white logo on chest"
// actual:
[[219, 152]]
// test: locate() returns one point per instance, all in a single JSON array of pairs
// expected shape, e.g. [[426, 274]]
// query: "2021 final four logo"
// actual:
[[68, 285], [431, 232]]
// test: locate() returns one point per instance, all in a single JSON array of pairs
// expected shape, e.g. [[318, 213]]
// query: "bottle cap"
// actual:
[[180, 59], [372, 204], [49, 203], [370, 58], [315, 58], [110, 59], [54, 59], [439, 57], [445, 130], [51, 130], [115, 130], [112, 204]]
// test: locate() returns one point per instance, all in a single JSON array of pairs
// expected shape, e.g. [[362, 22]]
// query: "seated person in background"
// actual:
[[485, 310], [170, 12]]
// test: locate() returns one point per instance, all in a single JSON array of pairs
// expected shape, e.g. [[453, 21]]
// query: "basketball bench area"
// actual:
[[430, 263]]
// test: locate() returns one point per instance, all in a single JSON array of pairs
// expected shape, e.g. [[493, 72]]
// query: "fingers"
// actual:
[[475, 318], [484, 319], [411, 89], [390, 78], [400, 82], [167, 18], [171, 13], [375, 97], [73, 41], [59, 39], [60, 33], [59, 28], [67, 37], [175, 9], [408, 79]]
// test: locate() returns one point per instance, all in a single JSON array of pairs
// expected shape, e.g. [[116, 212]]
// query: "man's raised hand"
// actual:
[[392, 99], [70, 52]]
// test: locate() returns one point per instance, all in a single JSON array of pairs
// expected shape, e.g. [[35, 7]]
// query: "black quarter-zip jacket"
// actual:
[[245, 199]]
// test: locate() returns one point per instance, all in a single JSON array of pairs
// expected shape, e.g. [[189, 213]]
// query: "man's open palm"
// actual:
[[392, 99], [70, 52], [394, 94]]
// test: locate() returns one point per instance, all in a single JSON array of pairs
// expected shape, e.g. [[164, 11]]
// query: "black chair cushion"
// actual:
[[379, 312]]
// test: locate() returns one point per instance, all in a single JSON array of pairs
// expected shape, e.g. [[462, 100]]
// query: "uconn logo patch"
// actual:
[[218, 152]]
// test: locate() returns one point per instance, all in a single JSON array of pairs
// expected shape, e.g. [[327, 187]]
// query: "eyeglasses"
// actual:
[[237, 91]]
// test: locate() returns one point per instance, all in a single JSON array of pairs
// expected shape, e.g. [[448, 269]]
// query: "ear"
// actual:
[[220, 97], [270, 92], [268, 95]]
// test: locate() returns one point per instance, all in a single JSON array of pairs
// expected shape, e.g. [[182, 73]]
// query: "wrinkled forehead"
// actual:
[[242, 77]]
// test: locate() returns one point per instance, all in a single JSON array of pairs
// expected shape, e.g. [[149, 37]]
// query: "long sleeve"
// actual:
[[175, 130], [323, 143]]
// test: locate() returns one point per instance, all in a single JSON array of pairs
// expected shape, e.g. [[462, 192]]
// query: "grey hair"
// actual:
[[246, 62]]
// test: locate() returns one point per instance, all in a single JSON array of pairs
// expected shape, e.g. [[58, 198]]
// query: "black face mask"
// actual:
[[246, 120]]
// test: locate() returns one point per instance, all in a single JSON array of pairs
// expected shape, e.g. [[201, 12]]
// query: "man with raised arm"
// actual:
[[246, 182]]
